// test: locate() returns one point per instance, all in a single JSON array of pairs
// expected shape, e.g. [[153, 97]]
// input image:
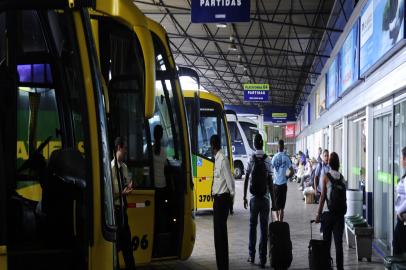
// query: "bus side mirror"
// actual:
[[185, 71]]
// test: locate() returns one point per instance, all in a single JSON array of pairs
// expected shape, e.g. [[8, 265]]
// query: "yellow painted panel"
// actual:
[[206, 169], [145, 38], [204, 200], [141, 211], [32, 192], [3, 258]]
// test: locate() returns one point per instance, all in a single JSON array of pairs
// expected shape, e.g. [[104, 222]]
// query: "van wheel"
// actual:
[[238, 170]]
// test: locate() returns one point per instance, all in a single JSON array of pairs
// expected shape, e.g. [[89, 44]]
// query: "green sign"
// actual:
[[256, 86], [279, 115]]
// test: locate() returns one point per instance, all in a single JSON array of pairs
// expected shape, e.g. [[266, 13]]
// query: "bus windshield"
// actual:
[[250, 130], [211, 122]]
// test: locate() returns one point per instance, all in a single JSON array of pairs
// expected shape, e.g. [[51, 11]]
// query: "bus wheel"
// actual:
[[238, 170]]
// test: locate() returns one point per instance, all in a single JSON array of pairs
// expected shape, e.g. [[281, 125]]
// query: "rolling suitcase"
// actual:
[[280, 245], [319, 253]]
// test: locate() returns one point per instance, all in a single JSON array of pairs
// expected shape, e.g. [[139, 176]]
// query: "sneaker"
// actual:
[[262, 265], [251, 259]]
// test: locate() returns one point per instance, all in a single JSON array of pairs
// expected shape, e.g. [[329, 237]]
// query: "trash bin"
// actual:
[[363, 240], [354, 202]]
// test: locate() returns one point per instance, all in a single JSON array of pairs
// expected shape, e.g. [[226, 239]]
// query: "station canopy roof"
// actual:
[[286, 44]]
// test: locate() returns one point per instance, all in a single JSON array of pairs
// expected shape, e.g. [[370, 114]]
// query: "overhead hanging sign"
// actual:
[[279, 117], [256, 92], [217, 11]]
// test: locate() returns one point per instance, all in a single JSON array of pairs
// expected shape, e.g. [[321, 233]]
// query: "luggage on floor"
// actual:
[[280, 245], [319, 253]]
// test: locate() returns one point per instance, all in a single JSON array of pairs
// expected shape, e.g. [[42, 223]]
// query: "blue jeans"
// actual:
[[259, 206]]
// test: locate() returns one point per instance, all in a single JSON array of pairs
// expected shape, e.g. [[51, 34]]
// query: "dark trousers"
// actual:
[[399, 236], [259, 206], [221, 208], [124, 239], [334, 225]]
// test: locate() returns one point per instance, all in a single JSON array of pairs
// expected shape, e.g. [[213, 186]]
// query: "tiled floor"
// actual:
[[298, 215]]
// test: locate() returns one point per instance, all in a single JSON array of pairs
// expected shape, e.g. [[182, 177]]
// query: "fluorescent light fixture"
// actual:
[[221, 25], [232, 47]]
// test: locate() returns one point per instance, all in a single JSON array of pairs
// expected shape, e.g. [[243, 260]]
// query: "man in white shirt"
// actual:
[[223, 191], [122, 185]]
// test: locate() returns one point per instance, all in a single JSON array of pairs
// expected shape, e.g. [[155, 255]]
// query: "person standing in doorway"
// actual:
[[281, 163], [223, 191], [259, 175], [122, 186], [399, 236]]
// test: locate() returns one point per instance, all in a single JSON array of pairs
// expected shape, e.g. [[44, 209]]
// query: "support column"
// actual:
[[369, 163], [344, 149], [331, 138]]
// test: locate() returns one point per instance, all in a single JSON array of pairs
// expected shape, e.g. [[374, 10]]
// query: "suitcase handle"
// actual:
[[311, 231]]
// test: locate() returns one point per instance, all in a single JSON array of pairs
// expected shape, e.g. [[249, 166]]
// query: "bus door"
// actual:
[[123, 70], [170, 195], [211, 121], [46, 161]]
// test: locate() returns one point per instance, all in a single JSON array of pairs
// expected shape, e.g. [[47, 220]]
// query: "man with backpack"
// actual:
[[259, 173], [334, 192], [281, 163]]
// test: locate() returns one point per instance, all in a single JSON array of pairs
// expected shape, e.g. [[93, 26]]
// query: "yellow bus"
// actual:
[[143, 90], [56, 203], [206, 117]]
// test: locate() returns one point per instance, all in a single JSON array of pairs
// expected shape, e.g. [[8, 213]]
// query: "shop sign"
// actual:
[[332, 83], [290, 131], [349, 60], [381, 28]]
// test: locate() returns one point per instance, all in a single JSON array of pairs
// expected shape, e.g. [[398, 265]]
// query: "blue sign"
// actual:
[[349, 55], [212, 11], [332, 83], [256, 95], [381, 27]]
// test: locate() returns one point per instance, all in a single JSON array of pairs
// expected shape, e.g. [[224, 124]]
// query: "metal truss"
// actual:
[[281, 45]]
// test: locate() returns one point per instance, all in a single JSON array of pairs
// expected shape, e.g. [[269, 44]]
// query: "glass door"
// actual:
[[383, 187], [356, 152]]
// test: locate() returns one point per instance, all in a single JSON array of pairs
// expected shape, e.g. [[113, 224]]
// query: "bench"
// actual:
[[395, 262], [359, 235]]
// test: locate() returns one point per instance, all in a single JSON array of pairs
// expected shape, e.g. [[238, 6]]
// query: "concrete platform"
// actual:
[[298, 215]]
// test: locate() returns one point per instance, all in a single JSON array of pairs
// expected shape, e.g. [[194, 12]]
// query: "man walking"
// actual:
[[259, 173], [223, 191], [280, 163]]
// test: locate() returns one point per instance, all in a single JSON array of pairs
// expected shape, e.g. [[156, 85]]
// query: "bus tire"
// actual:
[[238, 170]]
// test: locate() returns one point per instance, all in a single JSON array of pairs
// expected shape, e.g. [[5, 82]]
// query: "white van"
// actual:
[[242, 133]]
